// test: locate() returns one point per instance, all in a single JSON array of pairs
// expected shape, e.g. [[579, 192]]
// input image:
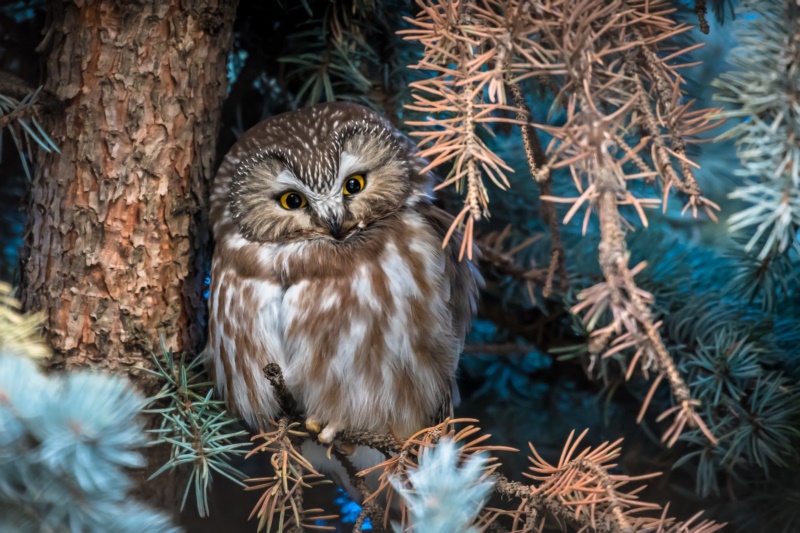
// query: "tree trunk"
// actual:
[[117, 232]]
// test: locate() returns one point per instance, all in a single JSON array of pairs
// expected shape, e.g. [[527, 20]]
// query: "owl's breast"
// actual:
[[370, 340]]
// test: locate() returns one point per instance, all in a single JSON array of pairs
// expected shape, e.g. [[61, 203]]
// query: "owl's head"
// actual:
[[328, 171]]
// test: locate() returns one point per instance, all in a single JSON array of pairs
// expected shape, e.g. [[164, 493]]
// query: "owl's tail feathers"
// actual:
[[362, 458]]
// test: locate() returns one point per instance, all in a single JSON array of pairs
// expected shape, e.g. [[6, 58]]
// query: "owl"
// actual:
[[329, 262]]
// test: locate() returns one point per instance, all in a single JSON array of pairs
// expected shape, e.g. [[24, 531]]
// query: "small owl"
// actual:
[[329, 262]]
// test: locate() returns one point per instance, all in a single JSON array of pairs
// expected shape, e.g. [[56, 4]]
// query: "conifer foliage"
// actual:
[[602, 59], [764, 88]]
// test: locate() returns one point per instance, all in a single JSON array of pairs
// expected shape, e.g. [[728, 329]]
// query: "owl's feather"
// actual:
[[464, 280]]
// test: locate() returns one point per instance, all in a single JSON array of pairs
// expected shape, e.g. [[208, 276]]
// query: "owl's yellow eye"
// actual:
[[354, 184], [293, 200]]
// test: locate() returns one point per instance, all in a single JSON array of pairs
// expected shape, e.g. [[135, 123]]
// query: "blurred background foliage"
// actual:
[[67, 442], [729, 300]]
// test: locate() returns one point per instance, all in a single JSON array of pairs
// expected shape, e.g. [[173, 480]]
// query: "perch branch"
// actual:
[[580, 490]]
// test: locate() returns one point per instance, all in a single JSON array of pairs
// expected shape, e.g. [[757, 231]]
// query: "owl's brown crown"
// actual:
[[309, 155]]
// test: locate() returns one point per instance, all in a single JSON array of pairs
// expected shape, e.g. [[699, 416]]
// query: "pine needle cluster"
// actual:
[[19, 117], [19, 332], [441, 494], [196, 427], [281, 501], [764, 90], [65, 449]]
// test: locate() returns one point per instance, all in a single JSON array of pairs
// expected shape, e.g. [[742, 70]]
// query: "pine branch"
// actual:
[[465, 91], [195, 426], [502, 261], [635, 315], [333, 58], [679, 122], [606, 98], [580, 490], [282, 492], [14, 86], [371, 509], [765, 89], [67, 442], [19, 332]]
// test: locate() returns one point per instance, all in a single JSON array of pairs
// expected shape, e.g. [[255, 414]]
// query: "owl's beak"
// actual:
[[334, 226]]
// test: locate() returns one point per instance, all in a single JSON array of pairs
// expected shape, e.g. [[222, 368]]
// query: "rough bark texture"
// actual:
[[117, 231]]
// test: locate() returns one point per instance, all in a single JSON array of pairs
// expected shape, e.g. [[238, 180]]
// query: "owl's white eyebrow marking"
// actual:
[[286, 178], [349, 163]]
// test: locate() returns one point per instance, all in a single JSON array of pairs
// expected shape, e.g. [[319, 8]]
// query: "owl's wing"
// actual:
[[244, 334], [464, 279]]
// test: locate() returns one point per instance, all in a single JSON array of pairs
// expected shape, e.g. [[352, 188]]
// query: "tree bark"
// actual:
[[117, 229], [117, 233]]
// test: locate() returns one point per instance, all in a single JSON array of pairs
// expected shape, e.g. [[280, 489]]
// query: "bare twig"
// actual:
[[505, 264], [275, 377], [14, 86], [20, 113], [500, 349]]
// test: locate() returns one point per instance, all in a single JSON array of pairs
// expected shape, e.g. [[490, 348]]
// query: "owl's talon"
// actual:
[[328, 434], [313, 425]]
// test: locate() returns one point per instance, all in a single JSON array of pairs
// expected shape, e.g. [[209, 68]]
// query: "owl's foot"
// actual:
[[313, 425], [329, 433]]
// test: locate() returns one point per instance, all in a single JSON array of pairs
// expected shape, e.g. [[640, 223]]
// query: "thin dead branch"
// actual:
[[494, 256], [537, 162], [370, 509]]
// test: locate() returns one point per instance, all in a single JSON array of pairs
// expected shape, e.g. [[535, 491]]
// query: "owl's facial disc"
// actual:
[[351, 178]]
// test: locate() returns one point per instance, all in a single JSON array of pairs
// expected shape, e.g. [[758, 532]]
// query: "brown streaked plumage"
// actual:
[[346, 285]]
